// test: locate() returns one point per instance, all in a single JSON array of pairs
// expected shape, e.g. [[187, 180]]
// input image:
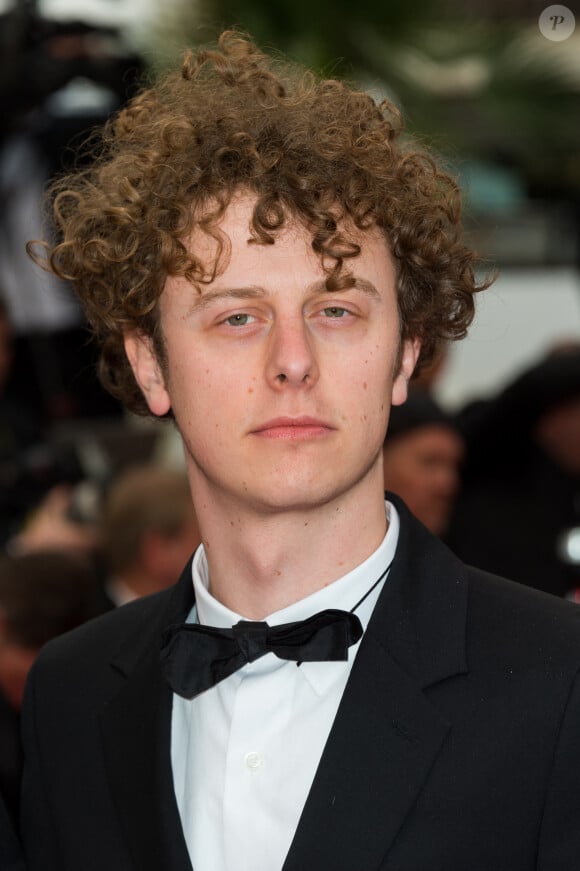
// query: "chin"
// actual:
[[306, 495]]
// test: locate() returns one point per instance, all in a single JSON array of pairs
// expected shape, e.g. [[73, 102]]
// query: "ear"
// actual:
[[147, 372], [408, 360]]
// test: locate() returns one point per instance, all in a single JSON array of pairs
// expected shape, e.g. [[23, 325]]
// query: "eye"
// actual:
[[334, 311], [239, 320]]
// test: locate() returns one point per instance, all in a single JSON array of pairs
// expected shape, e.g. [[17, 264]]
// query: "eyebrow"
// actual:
[[255, 292], [206, 299]]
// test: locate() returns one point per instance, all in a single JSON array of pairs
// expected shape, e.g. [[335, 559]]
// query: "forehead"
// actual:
[[435, 438], [239, 254]]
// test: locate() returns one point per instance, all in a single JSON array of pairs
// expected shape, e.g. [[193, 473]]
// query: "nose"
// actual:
[[291, 355]]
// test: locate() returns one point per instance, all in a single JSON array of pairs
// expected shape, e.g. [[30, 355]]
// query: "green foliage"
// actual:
[[475, 88]]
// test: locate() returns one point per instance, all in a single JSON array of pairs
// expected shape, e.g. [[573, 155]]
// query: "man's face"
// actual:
[[422, 466], [558, 433], [280, 390]]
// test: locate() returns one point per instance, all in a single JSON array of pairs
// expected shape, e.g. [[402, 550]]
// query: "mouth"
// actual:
[[293, 429]]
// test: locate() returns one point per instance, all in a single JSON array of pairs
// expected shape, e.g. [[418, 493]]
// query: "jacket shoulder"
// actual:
[[534, 624], [101, 638]]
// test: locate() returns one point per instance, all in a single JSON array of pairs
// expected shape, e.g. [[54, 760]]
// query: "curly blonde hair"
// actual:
[[233, 118]]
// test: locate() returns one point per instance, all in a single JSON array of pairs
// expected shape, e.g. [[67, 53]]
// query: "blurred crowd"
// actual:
[[499, 480]]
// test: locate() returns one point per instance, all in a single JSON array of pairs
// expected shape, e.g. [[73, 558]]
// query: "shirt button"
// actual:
[[253, 761]]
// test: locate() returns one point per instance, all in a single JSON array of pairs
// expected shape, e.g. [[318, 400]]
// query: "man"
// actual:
[[272, 261], [422, 457], [147, 531]]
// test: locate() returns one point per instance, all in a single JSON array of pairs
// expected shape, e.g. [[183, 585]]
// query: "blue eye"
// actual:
[[334, 311], [238, 320]]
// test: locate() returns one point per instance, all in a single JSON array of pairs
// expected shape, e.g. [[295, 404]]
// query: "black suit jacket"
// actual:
[[10, 855], [456, 746]]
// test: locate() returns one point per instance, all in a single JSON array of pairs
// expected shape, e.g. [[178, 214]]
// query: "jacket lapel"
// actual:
[[136, 733], [387, 735]]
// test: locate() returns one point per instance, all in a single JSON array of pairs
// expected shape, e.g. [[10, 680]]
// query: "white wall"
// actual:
[[518, 319]]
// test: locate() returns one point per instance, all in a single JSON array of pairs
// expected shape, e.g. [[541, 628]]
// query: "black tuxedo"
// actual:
[[456, 746], [10, 855]]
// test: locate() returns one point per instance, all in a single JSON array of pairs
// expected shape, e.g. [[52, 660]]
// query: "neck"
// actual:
[[262, 562]]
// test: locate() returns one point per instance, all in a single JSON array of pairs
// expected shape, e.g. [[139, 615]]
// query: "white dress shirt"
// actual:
[[245, 752]]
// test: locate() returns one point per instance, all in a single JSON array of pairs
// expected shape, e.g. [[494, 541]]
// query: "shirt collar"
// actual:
[[342, 594]]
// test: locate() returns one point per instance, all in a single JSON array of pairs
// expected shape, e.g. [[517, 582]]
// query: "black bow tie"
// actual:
[[195, 657]]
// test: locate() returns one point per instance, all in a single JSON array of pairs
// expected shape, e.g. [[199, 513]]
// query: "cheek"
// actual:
[[191, 382], [209, 403], [369, 376], [365, 406]]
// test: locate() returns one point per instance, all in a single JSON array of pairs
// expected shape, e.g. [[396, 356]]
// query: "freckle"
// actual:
[[278, 573], [207, 371], [250, 389], [231, 522], [364, 385], [305, 523]]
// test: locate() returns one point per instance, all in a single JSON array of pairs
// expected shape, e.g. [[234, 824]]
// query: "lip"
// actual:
[[293, 428]]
